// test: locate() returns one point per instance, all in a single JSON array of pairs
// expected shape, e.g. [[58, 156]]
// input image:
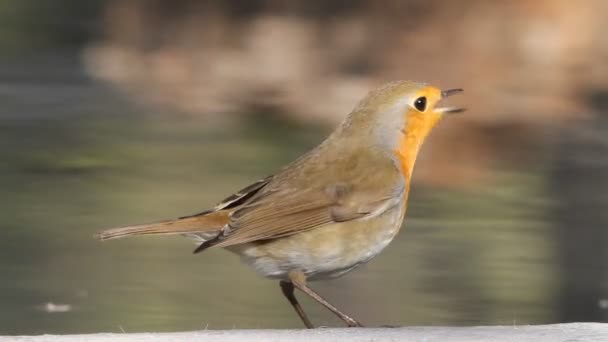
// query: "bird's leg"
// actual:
[[287, 288], [298, 279]]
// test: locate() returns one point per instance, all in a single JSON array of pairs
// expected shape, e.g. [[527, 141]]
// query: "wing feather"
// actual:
[[274, 219], [294, 201]]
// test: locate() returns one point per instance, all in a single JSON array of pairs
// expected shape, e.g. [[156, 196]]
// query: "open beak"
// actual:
[[450, 110]]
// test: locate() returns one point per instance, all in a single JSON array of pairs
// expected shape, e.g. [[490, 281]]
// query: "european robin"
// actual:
[[332, 209]]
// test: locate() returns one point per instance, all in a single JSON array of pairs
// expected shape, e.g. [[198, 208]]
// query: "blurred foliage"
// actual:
[[32, 25]]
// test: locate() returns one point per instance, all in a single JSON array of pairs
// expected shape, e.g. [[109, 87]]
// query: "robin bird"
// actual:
[[332, 209]]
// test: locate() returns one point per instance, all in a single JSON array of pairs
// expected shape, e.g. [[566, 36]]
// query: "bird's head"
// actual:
[[398, 117]]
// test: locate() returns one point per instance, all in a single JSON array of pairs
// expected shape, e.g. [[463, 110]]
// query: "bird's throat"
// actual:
[[417, 127]]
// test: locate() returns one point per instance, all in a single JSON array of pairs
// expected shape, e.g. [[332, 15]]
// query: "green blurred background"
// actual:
[[123, 112]]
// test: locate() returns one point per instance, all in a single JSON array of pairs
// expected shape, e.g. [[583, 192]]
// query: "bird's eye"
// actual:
[[420, 103]]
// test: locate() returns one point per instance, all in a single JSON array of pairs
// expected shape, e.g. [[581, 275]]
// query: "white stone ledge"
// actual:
[[587, 332]]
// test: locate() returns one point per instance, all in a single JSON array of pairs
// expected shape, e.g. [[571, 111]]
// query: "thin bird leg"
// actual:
[[287, 288], [299, 281]]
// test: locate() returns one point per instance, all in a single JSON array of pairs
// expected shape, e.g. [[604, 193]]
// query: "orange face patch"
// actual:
[[418, 126]]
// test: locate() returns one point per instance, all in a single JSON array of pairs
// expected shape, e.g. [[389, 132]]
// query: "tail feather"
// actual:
[[207, 222]]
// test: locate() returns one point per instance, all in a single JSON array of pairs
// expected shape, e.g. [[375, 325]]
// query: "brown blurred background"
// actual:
[[119, 112]]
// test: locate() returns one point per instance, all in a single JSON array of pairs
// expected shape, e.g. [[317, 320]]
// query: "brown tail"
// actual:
[[193, 224]]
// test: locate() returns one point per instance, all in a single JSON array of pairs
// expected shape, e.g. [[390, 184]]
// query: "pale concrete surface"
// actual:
[[587, 332]]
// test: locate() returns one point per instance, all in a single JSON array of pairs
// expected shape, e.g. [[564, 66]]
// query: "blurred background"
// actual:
[[122, 112]]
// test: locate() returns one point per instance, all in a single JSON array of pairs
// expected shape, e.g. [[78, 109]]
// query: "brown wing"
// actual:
[[291, 216], [308, 195], [278, 214]]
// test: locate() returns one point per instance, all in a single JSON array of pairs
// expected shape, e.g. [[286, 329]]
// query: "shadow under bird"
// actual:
[[332, 209]]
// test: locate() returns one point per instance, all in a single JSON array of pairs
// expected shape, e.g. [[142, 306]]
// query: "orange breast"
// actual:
[[418, 125]]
